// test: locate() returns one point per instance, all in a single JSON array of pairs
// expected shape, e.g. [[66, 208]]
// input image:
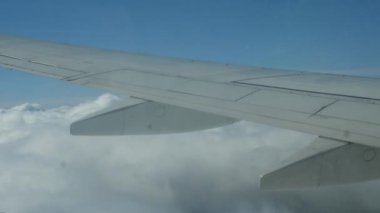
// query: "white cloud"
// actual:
[[44, 169]]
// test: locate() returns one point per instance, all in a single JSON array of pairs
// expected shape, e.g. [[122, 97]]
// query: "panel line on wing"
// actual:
[[86, 75], [40, 67], [270, 76], [307, 91], [323, 107], [244, 96]]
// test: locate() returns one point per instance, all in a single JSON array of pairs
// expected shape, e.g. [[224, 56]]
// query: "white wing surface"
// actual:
[[338, 107]]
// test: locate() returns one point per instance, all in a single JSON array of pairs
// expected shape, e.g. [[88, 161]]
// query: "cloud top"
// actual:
[[209, 171]]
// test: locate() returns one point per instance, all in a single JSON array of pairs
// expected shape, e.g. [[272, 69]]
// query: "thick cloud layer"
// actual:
[[44, 169]]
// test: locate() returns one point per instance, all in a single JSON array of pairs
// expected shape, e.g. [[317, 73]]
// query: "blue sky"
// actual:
[[323, 35], [211, 171]]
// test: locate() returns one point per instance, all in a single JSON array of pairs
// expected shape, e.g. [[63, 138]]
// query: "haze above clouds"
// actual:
[[44, 169]]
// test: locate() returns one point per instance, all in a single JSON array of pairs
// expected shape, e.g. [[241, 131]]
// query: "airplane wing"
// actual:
[[177, 95]]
